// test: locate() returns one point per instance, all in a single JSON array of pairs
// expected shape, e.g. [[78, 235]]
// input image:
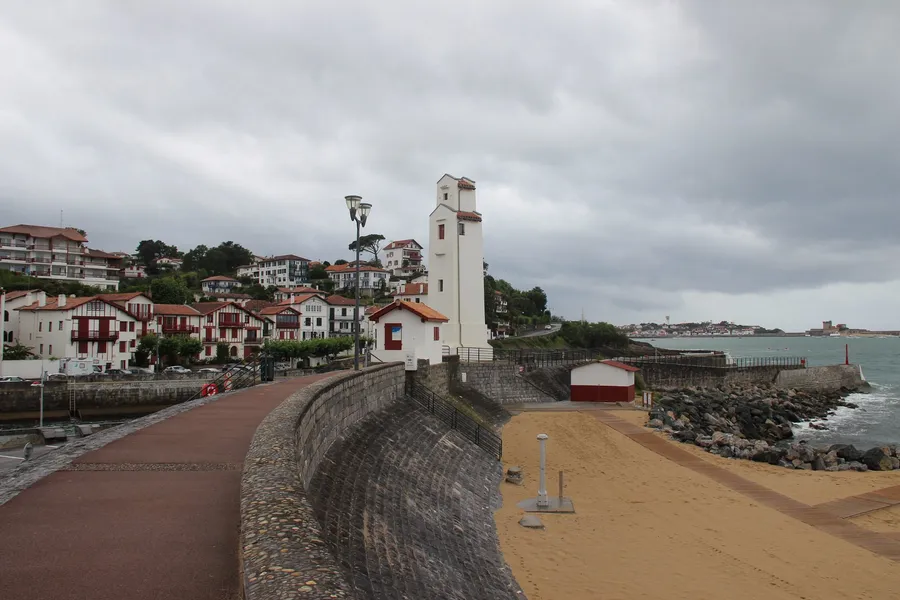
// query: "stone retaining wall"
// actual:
[[284, 554], [22, 397], [501, 382], [831, 377]]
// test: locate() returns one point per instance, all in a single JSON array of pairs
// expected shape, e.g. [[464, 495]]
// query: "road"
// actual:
[[555, 327]]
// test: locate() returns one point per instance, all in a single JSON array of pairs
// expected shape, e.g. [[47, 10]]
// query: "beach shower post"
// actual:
[[543, 500]]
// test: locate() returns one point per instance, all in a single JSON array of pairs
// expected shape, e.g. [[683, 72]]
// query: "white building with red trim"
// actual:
[[137, 304], [403, 257], [412, 292], [315, 311], [231, 324], [456, 263], [403, 327], [603, 381], [177, 319], [340, 315], [87, 328], [286, 293], [285, 321]]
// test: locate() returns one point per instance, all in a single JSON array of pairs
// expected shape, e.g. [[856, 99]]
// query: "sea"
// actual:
[[877, 420]]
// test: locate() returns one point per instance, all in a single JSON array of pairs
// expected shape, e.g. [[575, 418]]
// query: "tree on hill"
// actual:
[[370, 243], [341, 261], [318, 272], [169, 290], [223, 259], [151, 250]]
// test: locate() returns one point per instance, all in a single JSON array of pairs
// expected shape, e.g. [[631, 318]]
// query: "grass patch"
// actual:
[[551, 341], [465, 408]]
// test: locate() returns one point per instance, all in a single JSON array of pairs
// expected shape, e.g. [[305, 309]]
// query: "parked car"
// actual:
[[11, 379], [208, 370], [119, 372], [57, 377], [177, 369], [141, 370], [548, 326]]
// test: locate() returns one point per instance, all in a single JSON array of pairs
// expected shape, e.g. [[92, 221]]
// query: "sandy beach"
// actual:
[[645, 527]]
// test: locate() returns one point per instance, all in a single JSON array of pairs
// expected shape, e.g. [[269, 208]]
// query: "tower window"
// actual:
[[441, 231], [446, 195], [462, 229], [440, 285]]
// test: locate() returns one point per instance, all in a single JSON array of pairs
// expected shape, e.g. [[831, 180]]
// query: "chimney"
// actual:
[[62, 300], [421, 288], [42, 299]]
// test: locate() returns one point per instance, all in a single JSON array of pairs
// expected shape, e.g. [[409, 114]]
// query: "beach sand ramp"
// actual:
[[647, 527]]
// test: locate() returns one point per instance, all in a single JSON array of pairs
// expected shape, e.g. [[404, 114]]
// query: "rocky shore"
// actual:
[[755, 423]]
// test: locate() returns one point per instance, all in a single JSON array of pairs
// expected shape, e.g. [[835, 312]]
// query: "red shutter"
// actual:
[[82, 347], [437, 334], [389, 342], [83, 328], [101, 347], [441, 231], [131, 326], [104, 328], [122, 347], [123, 326]]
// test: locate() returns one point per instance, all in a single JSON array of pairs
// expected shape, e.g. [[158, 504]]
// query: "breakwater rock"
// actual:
[[755, 423]]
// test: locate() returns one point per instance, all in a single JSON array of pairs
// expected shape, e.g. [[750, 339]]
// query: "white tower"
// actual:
[[456, 263]]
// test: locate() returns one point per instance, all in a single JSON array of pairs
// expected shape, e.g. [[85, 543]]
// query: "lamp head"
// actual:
[[364, 209], [353, 205]]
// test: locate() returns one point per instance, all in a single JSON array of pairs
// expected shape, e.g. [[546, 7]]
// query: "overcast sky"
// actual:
[[703, 160]]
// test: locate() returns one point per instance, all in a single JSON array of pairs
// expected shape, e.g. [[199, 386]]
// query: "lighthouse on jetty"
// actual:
[[456, 263]]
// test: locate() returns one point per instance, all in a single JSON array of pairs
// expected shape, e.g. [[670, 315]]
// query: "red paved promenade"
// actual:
[[152, 515]]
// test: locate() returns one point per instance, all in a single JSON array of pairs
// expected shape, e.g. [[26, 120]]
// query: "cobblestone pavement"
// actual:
[[407, 507], [148, 510]]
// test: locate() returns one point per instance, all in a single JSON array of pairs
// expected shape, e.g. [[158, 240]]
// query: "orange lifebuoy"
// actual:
[[210, 389]]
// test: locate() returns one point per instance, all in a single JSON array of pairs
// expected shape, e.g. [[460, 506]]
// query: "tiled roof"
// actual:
[[177, 310], [299, 299], [274, 310], [340, 301], [401, 244], [39, 231], [123, 296], [258, 305], [349, 268], [619, 365], [300, 290], [204, 308], [286, 257], [231, 295], [53, 304], [101, 254], [468, 216], [412, 289], [465, 184], [18, 294], [219, 278], [422, 310]]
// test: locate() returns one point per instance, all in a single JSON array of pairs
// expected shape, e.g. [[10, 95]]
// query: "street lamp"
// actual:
[[359, 213], [2, 326]]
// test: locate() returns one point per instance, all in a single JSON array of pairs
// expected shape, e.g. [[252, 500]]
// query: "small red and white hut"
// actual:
[[603, 381]]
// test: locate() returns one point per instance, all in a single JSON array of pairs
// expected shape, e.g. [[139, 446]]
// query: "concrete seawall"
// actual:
[[831, 377]]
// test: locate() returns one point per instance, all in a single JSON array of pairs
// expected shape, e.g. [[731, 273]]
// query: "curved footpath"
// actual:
[[155, 514]]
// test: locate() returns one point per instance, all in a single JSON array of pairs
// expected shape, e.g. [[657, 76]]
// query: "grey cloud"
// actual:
[[640, 150]]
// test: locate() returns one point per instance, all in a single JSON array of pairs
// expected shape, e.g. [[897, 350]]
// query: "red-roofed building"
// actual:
[[403, 257], [87, 328], [219, 284], [59, 253], [232, 324], [286, 293], [13, 301], [404, 327], [285, 270], [314, 308], [285, 321], [138, 304], [412, 292], [603, 381], [340, 315], [177, 319], [371, 279]]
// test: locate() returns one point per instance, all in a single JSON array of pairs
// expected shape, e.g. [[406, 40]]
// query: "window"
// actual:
[[209, 350], [42, 349], [40, 325], [308, 322], [122, 347], [132, 343], [441, 231], [440, 285], [49, 325], [446, 196], [343, 312], [462, 228], [95, 306], [418, 300], [50, 349], [209, 318], [437, 334], [59, 328], [123, 326], [131, 326], [319, 322]]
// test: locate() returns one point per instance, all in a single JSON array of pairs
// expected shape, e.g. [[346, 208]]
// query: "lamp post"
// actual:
[[359, 213], [2, 326]]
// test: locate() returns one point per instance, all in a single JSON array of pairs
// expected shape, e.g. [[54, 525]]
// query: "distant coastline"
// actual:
[[757, 335]]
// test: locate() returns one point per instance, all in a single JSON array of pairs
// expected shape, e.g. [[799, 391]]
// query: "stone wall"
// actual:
[[501, 382], [666, 375], [831, 377], [23, 397], [283, 550]]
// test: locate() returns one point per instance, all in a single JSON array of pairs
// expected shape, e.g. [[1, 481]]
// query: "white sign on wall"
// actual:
[[411, 364]]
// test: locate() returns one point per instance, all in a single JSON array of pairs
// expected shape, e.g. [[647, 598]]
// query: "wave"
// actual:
[[874, 421]]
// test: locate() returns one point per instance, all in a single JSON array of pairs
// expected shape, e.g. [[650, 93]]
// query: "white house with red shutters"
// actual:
[[403, 257], [402, 327], [603, 381], [177, 319], [138, 304], [314, 308], [285, 321], [88, 328], [231, 324], [286, 293]]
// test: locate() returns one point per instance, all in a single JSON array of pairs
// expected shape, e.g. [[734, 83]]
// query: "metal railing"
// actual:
[[468, 427], [237, 376]]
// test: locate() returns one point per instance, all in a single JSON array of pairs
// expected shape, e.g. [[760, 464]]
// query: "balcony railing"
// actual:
[[95, 336], [74, 261], [230, 323], [210, 339], [7, 243], [287, 325], [39, 260], [253, 340], [179, 328]]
